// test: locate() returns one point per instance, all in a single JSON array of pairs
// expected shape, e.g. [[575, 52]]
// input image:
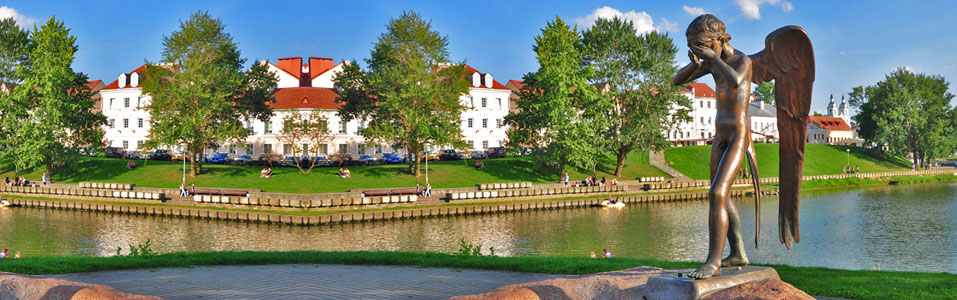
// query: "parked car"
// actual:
[[178, 156], [113, 152], [496, 152], [450, 155], [479, 154], [159, 155], [242, 160], [268, 159], [391, 158], [431, 155], [86, 151], [366, 159], [131, 155], [342, 159], [219, 158]]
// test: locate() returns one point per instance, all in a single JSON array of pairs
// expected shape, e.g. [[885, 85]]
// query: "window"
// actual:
[[139, 101], [232, 149], [268, 126], [111, 102], [126, 102], [702, 135], [249, 149], [498, 123], [484, 102], [140, 122], [701, 103], [323, 149], [139, 144], [267, 148], [702, 120], [484, 144], [287, 149], [342, 127], [362, 148], [343, 148], [126, 144], [484, 123], [471, 143], [472, 102], [249, 126], [709, 104], [378, 149], [126, 124], [112, 123], [470, 122], [499, 102], [709, 120]]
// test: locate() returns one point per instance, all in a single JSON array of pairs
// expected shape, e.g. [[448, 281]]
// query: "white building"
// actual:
[[842, 112], [700, 130], [305, 87], [487, 103], [828, 130], [127, 125], [763, 119]]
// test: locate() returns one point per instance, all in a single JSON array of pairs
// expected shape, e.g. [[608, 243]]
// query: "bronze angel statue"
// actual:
[[788, 59]]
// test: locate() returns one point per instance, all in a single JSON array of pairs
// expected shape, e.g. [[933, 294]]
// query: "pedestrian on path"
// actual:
[[44, 178], [428, 190], [566, 178]]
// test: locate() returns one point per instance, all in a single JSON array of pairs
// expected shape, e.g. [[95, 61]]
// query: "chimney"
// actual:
[[291, 65], [320, 65]]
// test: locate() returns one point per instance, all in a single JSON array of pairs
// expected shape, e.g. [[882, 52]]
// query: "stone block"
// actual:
[[284, 202], [471, 195], [215, 199], [674, 287]]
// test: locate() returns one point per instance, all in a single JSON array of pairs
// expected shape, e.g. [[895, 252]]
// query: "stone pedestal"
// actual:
[[671, 286]]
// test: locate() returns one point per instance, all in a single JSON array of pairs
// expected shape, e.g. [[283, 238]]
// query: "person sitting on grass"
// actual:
[[342, 173], [606, 253], [262, 174], [347, 173], [4, 253]]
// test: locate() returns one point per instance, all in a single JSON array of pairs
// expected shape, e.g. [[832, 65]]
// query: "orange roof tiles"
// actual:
[[305, 97], [95, 85], [291, 65], [495, 84], [517, 84], [115, 84], [829, 123], [700, 90]]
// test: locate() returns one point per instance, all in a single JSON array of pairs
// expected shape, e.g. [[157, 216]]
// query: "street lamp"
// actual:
[[848, 157]]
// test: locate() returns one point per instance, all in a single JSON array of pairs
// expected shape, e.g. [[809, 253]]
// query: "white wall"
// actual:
[[495, 110], [114, 108]]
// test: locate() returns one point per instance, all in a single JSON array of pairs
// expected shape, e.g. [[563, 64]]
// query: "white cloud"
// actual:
[[906, 68], [752, 8], [693, 11], [23, 21], [642, 20], [843, 53], [667, 26]]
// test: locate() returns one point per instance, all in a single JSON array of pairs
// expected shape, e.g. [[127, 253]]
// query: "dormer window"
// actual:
[[476, 79], [121, 80], [134, 79], [488, 80]]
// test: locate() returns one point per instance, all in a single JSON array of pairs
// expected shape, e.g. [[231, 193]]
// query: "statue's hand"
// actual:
[[703, 52], [694, 59]]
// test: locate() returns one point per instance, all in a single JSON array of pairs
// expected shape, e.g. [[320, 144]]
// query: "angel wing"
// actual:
[[788, 59]]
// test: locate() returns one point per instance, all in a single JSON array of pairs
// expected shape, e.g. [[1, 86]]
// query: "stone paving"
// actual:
[[305, 282]]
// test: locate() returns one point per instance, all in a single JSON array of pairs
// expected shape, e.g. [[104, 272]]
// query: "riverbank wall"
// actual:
[[308, 212]]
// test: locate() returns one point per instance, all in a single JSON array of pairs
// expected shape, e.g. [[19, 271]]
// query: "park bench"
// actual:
[[389, 192], [220, 192]]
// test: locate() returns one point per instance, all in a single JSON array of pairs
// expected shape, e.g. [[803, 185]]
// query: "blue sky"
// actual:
[[855, 42]]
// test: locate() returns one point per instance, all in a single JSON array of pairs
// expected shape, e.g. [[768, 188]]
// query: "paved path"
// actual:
[[305, 282]]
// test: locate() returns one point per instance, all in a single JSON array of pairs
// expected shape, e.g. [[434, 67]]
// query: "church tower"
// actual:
[[831, 108], [844, 112]]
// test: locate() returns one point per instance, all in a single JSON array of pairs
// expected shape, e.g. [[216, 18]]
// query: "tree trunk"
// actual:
[[418, 164], [621, 162]]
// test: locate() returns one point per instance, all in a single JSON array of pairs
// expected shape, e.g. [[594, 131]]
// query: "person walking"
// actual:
[[182, 189], [428, 190], [44, 178], [566, 178]]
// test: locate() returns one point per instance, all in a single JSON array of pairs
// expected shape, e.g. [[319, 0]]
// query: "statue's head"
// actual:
[[704, 30]]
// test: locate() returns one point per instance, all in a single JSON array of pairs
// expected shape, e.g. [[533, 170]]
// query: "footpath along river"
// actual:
[[908, 228]]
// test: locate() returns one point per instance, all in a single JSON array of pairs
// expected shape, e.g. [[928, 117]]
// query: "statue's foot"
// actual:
[[705, 271], [734, 260]]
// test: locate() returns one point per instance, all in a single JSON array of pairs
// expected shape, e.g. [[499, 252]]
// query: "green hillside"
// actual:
[[693, 161]]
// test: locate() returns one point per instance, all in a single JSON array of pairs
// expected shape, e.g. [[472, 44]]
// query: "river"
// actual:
[[907, 228]]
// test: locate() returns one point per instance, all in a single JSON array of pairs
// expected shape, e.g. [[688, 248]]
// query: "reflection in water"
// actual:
[[891, 228]]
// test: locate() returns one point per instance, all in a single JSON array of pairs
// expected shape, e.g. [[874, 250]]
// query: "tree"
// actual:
[[560, 115], [51, 111], [908, 112], [765, 92], [200, 90], [13, 49], [301, 130], [411, 93], [635, 73]]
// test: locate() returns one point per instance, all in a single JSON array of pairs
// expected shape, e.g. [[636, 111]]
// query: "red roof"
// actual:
[[115, 84], [291, 65], [305, 97], [517, 84], [319, 65], [700, 90], [495, 84], [95, 85], [829, 123]]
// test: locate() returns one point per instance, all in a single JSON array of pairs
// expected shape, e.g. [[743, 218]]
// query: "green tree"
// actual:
[[908, 112], [560, 114], [200, 91], [51, 111], [304, 132], [13, 49], [634, 73], [765, 92], [411, 92]]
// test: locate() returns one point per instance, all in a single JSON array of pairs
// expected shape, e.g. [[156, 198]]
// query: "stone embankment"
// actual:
[[27, 287], [320, 209]]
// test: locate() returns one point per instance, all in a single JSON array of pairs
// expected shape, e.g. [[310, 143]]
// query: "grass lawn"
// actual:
[[444, 174], [853, 284], [693, 161]]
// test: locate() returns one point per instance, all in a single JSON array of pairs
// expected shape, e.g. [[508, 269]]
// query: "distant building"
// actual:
[[95, 87], [487, 104], [828, 130], [121, 101], [842, 112], [763, 119], [700, 130], [514, 86]]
